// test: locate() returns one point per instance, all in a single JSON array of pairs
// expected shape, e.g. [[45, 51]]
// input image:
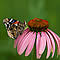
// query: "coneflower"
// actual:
[[37, 30]]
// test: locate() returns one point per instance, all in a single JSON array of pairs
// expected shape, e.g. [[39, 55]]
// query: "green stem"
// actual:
[[34, 53]]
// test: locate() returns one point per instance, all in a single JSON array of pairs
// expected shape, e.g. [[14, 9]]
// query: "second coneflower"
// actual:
[[37, 30]]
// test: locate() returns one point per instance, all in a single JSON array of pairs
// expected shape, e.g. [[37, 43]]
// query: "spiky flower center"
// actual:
[[37, 24]]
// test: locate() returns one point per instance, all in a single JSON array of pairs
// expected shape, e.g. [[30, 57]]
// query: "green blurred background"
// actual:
[[26, 10]]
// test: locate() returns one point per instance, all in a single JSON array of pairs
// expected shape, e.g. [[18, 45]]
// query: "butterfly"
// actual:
[[14, 27]]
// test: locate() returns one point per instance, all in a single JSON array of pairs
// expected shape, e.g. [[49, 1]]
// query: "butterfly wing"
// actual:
[[14, 27]]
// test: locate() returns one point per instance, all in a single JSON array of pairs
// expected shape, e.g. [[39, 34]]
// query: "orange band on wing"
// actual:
[[16, 22]]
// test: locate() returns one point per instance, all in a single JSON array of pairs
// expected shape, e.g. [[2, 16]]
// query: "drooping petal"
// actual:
[[22, 36], [16, 41], [37, 45], [53, 43], [57, 36], [42, 43], [58, 51], [31, 44], [57, 41], [48, 45], [24, 43]]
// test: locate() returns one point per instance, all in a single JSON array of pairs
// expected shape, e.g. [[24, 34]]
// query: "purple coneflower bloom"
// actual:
[[37, 30]]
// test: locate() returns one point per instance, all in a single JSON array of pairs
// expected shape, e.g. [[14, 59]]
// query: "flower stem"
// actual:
[[34, 53]]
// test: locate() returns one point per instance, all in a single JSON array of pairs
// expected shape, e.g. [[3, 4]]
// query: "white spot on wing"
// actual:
[[10, 20], [16, 24]]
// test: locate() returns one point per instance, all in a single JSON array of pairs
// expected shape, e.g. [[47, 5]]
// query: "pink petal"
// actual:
[[42, 43], [57, 37], [24, 43], [22, 36], [58, 51], [37, 45], [48, 45], [53, 43], [57, 40], [16, 41], [31, 44]]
